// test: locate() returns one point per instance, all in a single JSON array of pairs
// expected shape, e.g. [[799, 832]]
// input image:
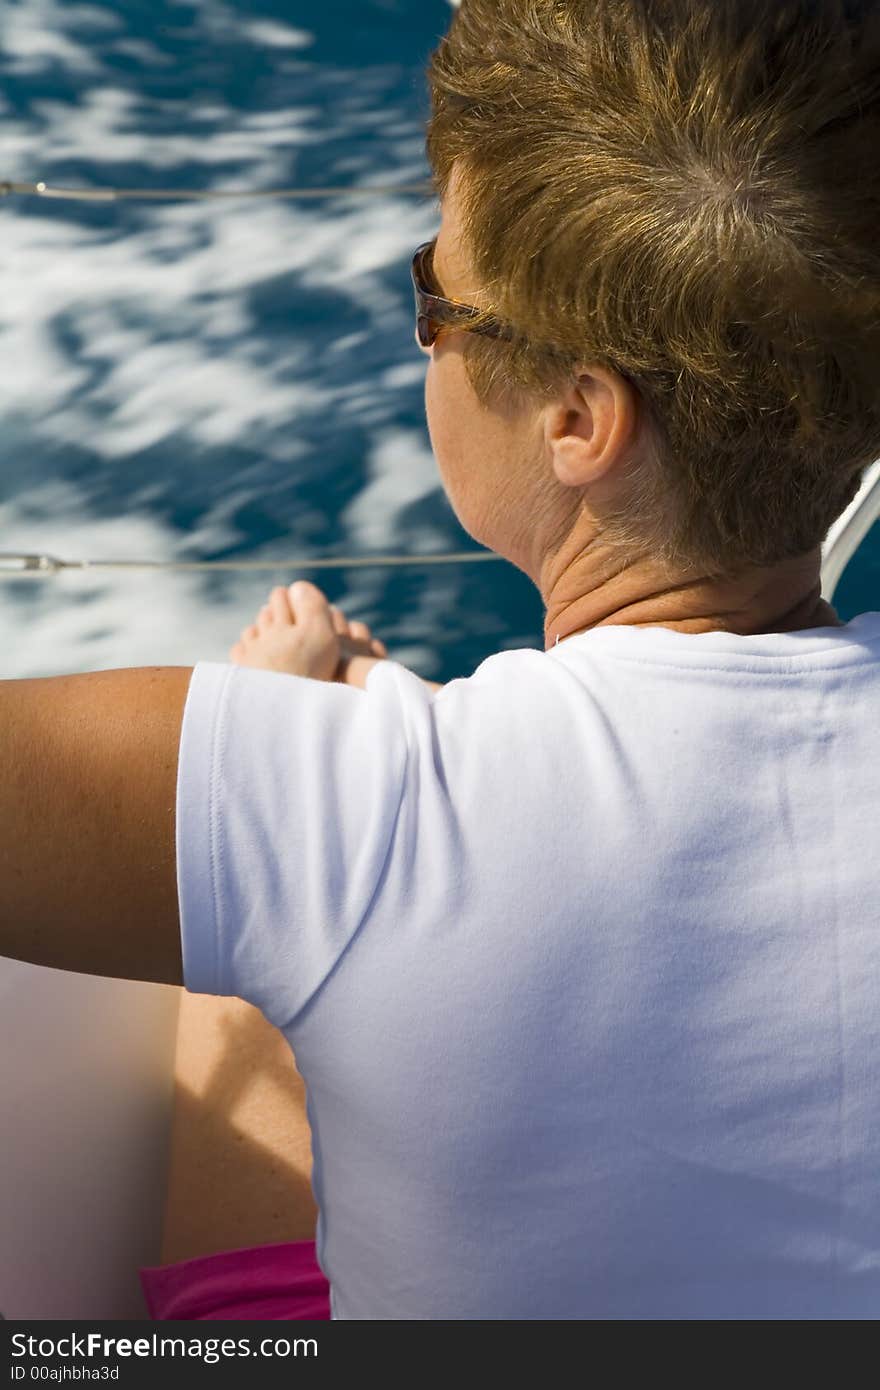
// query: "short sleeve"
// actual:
[[288, 791]]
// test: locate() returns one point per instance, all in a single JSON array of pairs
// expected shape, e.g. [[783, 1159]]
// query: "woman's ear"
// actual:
[[589, 429]]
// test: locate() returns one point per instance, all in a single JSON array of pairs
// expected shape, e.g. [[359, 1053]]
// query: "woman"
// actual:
[[577, 956]]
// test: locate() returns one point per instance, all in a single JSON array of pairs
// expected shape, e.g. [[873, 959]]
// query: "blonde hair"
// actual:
[[687, 191]]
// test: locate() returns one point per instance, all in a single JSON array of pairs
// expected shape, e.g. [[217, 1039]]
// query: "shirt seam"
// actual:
[[291, 1020]]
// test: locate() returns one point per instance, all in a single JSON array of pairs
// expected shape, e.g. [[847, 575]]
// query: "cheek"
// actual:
[[445, 409], [466, 445]]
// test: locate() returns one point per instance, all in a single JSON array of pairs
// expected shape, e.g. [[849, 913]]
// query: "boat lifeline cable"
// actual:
[[19, 565]]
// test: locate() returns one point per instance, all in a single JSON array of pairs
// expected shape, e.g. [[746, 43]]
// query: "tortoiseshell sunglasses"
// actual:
[[434, 313]]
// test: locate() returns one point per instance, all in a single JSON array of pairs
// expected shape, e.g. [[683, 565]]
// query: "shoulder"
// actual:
[[508, 691]]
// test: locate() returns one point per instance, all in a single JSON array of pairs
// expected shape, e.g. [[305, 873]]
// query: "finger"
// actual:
[[264, 618], [378, 647], [310, 606], [313, 588], [340, 622], [357, 646], [360, 631], [279, 607], [248, 634]]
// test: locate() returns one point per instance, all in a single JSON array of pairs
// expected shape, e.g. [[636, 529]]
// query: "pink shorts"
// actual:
[[263, 1282]]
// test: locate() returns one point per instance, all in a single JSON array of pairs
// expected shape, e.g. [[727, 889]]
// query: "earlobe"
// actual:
[[573, 461]]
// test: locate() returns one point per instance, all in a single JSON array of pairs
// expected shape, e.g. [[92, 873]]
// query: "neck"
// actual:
[[582, 589]]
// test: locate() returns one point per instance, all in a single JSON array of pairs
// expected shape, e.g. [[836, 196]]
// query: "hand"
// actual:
[[300, 633]]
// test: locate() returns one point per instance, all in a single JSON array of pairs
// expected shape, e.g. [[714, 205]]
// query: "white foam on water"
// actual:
[[34, 37], [273, 34], [402, 470], [147, 306], [118, 336]]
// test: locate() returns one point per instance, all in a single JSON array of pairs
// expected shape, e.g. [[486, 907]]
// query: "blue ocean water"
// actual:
[[229, 379]]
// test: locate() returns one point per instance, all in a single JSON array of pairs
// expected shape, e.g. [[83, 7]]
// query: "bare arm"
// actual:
[[88, 777]]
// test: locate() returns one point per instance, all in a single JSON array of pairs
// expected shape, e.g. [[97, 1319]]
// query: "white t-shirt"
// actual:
[[580, 961]]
